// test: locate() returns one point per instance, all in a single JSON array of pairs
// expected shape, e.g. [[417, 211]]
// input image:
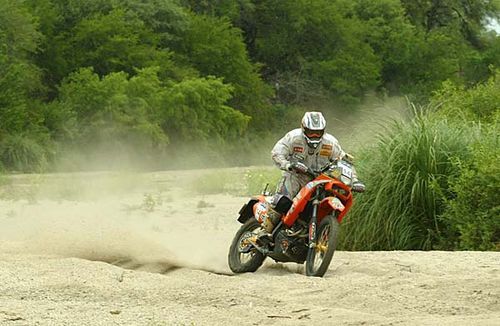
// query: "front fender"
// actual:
[[334, 203], [328, 205]]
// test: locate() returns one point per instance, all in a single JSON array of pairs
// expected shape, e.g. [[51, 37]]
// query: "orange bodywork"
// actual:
[[326, 206], [260, 208]]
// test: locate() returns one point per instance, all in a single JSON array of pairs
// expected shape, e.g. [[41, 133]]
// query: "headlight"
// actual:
[[346, 180]]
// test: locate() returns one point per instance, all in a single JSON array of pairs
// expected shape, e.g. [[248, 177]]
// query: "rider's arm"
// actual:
[[282, 151], [337, 151], [338, 154]]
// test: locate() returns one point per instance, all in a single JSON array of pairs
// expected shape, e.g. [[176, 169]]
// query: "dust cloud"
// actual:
[[138, 221]]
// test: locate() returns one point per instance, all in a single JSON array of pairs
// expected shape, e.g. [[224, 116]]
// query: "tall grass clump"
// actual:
[[406, 174], [23, 154]]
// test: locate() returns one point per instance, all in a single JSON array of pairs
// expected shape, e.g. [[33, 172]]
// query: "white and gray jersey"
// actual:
[[293, 148]]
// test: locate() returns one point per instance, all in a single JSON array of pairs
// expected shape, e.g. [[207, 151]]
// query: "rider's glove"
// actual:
[[298, 167], [349, 158], [358, 186]]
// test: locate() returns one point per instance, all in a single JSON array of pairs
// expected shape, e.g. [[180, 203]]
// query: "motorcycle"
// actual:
[[308, 228]]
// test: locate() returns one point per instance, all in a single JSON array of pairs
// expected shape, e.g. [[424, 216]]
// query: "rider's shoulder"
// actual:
[[329, 138], [294, 133]]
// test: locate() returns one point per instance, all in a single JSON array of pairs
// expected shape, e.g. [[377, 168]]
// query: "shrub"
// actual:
[[480, 103], [473, 213]]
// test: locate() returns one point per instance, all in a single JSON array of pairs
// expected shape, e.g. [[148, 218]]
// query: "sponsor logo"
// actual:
[[337, 204], [330, 147], [312, 231], [298, 149], [325, 152], [261, 212]]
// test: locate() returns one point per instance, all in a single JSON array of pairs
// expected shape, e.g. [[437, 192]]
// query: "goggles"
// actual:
[[313, 134]]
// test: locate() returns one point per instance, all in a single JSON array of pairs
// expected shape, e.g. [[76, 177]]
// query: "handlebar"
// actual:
[[315, 173]]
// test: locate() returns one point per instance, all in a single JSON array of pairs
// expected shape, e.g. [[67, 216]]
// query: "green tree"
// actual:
[[215, 48], [113, 42], [196, 110], [19, 77], [468, 17], [114, 108], [24, 143], [116, 35], [316, 42]]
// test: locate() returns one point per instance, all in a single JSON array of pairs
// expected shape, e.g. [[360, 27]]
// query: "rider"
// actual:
[[300, 149]]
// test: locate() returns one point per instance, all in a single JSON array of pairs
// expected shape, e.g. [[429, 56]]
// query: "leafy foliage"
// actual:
[[114, 107], [480, 103], [473, 213], [316, 41], [117, 41], [466, 16], [19, 78], [118, 111], [222, 53], [195, 110]]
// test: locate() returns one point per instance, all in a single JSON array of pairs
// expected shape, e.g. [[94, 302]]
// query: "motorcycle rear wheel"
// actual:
[[319, 257], [240, 262]]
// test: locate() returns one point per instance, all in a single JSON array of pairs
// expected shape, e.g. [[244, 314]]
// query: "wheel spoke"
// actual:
[[319, 257]]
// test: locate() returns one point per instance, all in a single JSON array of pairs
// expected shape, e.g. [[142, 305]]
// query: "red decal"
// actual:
[[298, 149]]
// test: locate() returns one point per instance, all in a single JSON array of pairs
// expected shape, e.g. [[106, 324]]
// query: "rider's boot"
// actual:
[[271, 219]]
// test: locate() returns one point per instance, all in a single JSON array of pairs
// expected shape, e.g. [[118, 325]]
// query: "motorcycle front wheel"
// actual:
[[319, 257], [243, 257]]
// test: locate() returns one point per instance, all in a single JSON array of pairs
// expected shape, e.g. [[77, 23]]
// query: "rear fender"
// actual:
[[247, 210]]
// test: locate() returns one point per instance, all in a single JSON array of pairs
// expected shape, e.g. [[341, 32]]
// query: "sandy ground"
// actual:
[[96, 249]]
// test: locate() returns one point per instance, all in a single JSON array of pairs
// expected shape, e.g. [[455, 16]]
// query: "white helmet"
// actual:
[[313, 127]]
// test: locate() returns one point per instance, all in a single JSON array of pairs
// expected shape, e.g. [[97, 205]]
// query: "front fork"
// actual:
[[314, 220]]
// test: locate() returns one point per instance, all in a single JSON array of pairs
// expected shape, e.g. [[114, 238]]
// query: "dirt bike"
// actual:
[[308, 228]]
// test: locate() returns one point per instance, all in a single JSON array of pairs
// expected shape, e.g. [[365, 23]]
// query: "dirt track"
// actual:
[[120, 257]]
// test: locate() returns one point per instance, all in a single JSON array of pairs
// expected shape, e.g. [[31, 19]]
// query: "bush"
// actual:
[[480, 103], [473, 213]]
